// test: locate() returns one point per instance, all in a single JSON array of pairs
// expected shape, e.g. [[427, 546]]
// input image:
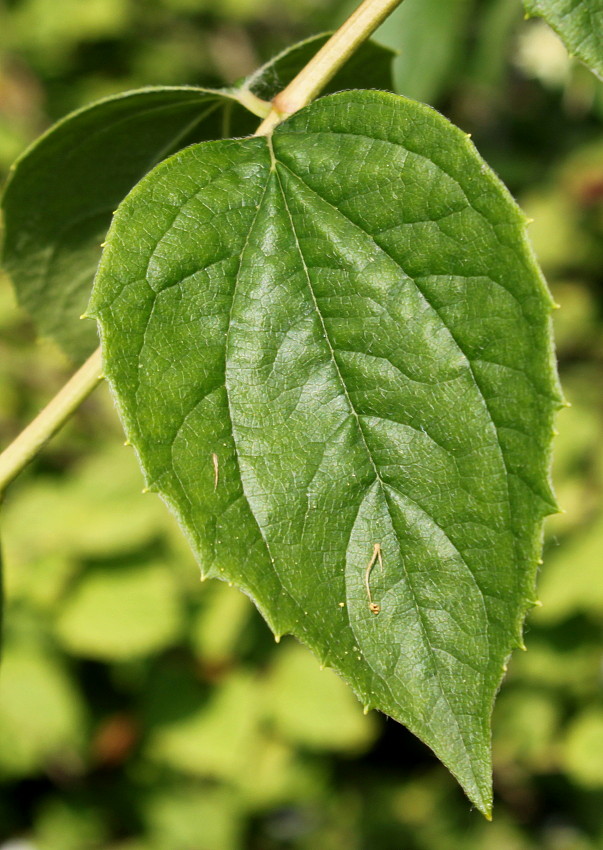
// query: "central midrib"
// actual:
[[378, 477], [482, 397]]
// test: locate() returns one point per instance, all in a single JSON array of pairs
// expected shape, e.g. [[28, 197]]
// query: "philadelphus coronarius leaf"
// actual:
[[330, 348]]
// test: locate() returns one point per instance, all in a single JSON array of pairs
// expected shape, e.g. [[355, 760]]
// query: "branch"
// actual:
[[29, 442]]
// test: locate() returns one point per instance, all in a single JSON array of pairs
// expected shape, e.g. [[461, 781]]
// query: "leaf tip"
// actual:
[[483, 802]]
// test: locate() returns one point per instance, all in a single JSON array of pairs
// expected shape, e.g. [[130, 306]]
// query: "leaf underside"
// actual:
[[579, 23], [58, 203], [335, 338]]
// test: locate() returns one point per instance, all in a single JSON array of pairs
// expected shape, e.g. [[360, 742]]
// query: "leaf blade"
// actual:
[[356, 395]]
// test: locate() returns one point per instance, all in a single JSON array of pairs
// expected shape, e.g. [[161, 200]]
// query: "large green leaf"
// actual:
[[62, 192], [580, 25], [333, 338]]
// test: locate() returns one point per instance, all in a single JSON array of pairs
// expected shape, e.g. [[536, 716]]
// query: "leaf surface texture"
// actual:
[[335, 338]]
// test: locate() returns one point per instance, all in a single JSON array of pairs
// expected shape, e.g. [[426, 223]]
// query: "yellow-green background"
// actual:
[[141, 710]]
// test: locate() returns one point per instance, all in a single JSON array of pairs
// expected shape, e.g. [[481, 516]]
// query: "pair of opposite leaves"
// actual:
[[330, 348]]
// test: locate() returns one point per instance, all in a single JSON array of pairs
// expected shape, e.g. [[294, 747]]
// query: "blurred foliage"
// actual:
[[143, 710]]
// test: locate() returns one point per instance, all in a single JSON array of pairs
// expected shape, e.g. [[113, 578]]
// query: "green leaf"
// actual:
[[186, 815], [51, 517], [580, 558], [346, 321], [33, 678], [69, 824], [579, 23], [63, 190], [581, 751], [62, 193], [298, 691], [217, 627], [121, 611], [215, 739], [527, 725]]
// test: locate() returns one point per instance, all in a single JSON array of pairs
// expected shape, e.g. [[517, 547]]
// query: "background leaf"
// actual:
[[299, 691], [121, 611], [346, 317], [63, 190], [34, 678], [59, 201], [580, 25], [582, 746], [422, 67]]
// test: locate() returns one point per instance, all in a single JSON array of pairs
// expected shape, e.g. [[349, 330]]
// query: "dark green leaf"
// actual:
[[62, 192], [580, 25], [334, 338]]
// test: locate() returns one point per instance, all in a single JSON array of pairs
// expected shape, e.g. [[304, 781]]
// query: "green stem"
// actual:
[[55, 414], [300, 91], [252, 102], [329, 59]]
